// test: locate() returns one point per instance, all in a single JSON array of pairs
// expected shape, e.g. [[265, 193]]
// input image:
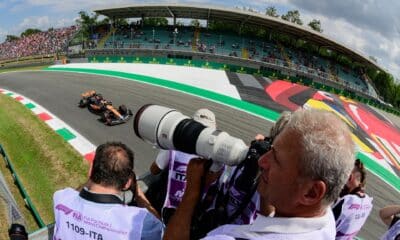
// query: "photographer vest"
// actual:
[[178, 162], [355, 211], [393, 233], [77, 217]]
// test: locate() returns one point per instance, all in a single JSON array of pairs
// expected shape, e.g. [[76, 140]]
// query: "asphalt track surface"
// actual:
[[60, 92]]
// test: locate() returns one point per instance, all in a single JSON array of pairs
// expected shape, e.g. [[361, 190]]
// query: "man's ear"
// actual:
[[127, 184], [351, 177], [314, 192]]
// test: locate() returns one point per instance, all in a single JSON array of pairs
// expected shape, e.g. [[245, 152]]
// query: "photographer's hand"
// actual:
[[195, 173], [143, 202], [259, 137], [387, 213], [179, 225]]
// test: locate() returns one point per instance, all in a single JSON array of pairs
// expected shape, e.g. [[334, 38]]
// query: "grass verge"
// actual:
[[13, 69], [42, 159]]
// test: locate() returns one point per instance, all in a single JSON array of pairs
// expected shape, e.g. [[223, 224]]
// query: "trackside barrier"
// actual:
[[21, 188], [266, 72]]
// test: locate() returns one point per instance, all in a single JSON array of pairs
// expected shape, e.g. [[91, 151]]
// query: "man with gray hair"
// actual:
[[303, 173]]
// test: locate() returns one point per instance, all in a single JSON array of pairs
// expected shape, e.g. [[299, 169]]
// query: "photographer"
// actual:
[[390, 215], [176, 162], [99, 211], [235, 199], [349, 219], [307, 166]]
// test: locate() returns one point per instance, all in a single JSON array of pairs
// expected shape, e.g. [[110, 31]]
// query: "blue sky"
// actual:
[[369, 26]]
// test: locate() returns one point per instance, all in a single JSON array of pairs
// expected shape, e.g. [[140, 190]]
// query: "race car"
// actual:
[[109, 115]]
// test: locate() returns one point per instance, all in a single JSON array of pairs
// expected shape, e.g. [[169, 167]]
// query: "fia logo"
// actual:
[[77, 216]]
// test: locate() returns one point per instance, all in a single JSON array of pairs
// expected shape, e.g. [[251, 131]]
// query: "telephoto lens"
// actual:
[[169, 129], [17, 232]]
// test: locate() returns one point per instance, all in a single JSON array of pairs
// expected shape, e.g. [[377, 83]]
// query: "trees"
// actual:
[[86, 22], [10, 38], [195, 23], [158, 21], [120, 22], [30, 31], [383, 82], [223, 26], [386, 86], [293, 17], [315, 25], [271, 11]]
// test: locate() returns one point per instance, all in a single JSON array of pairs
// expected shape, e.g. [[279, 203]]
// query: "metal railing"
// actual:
[[21, 188]]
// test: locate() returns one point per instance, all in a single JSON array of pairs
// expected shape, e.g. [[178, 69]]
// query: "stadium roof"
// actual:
[[192, 11]]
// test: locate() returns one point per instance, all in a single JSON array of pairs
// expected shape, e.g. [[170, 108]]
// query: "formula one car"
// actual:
[[109, 115]]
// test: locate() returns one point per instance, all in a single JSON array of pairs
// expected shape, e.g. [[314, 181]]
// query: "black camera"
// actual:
[[242, 187], [250, 167], [17, 232]]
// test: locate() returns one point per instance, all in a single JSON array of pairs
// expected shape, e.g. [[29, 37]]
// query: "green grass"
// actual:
[[13, 69], [44, 162]]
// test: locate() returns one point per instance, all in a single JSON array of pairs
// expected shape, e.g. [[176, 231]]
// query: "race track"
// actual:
[[60, 92]]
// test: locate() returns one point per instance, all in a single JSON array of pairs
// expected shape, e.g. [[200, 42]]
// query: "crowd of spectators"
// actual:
[[41, 43], [136, 36]]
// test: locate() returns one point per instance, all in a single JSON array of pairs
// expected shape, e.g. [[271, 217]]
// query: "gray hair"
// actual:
[[280, 124], [327, 149]]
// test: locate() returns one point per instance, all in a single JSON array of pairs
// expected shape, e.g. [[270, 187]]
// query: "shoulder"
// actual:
[[150, 219], [219, 237], [396, 220], [152, 227], [232, 231], [65, 192], [352, 198]]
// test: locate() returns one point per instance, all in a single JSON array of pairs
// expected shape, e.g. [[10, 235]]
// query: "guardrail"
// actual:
[[21, 188]]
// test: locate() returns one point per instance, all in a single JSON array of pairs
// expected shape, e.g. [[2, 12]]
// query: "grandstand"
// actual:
[[261, 54], [42, 43], [243, 50], [236, 46]]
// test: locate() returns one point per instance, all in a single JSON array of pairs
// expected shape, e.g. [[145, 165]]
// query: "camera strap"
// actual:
[[100, 198], [223, 199]]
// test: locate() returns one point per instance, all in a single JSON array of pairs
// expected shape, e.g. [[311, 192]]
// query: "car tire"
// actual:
[[82, 103], [122, 110]]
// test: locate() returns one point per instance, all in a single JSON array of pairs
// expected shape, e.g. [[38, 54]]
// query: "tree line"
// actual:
[[27, 32]]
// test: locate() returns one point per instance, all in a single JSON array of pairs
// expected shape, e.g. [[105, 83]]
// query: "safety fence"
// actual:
[[262, 71], [21, 188], [27, 61]]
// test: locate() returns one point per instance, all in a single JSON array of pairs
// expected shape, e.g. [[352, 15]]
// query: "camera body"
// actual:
[[250, 167], [169, 129], [17, 232]]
